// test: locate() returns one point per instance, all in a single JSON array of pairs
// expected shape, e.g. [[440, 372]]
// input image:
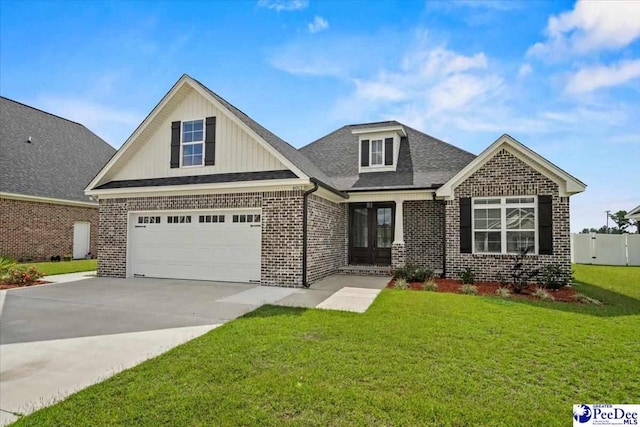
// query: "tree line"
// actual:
[[622, 225]]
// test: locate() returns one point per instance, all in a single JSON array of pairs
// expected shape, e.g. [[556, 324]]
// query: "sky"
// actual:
[[561, 77]]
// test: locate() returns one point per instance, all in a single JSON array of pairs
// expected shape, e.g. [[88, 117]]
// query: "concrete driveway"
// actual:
[[58, 339]]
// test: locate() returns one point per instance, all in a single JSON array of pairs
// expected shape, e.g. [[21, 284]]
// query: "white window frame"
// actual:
[[382, 150], [503, 205], [183, 144]]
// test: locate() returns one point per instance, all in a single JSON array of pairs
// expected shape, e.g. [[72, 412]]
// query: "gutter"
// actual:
[[304, 230], [317, 182]]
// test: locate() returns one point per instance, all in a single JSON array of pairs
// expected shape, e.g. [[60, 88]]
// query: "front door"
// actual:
[[371, 228]]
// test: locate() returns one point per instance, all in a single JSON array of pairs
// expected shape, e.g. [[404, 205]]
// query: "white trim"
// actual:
[[28, 198], [388, 196], [567, 183], [503, 205], [394, 128], [226, 187], [185, 79], [382, 135], [192, 143]]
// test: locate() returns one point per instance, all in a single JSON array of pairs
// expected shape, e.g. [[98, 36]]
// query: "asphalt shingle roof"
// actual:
[[423, 162], [61, 160]]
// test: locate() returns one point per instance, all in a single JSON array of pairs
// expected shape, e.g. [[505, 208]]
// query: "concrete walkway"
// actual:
[[58, 339], [69, 277]]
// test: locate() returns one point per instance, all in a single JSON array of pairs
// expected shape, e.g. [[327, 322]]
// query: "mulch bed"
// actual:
[[453, 286], [4, 286]]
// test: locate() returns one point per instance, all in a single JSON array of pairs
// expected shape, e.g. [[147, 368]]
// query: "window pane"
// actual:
[[197, 125], [187, 161], [520, 200], [187, 127], [197, 160], [487, 241], [187, 150], [197, 136], [376, 152], [517, 240], [384, 230], [360, 228], [520, 218]]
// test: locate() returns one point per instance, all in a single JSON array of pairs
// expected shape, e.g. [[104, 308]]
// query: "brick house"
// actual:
[[46, 162], [202, 191]]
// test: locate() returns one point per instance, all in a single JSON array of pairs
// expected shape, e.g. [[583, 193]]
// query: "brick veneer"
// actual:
[[281, 229], [423, 233], [326, 231], [506, 175], [40, 230]]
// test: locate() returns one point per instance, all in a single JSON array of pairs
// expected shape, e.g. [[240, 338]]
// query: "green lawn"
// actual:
[[414, 358], [51, 268]]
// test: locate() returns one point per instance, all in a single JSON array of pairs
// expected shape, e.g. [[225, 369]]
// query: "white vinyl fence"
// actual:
[[605, 249]]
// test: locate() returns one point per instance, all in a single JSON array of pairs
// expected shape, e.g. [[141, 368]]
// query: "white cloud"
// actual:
[[283, 5], [318, 24], [525, 70], [590, 79], [113, 124], [591, 26]]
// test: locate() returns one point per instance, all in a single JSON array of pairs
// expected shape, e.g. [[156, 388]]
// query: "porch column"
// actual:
[[398, 253]]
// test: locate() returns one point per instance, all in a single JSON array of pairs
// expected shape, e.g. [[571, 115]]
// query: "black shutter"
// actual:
[[364, 153], [388, 151], [465, 225], [175, 144], [545, 225], [210, 142]]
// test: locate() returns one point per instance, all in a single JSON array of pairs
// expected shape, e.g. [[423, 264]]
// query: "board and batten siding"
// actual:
[[236, 150]]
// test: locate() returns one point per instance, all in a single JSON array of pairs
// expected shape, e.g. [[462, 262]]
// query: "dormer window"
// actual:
[[379, 147], [377, 152]]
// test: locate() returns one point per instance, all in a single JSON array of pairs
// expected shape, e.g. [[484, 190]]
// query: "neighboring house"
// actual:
[[634, 214], [201, 191], [45, 164]]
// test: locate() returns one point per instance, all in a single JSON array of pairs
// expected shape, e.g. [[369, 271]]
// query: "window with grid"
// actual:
[[504, 225], [192, 143]]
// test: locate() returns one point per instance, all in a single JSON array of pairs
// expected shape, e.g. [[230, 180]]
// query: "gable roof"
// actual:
[[567, 183], [284, 151], [62, 157], [635, 212], [423, 161]]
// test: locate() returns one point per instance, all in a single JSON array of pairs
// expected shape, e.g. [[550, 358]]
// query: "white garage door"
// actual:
[[211, 245]]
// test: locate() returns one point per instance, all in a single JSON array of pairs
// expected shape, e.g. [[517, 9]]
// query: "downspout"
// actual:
[[444, 239], [304, 231]]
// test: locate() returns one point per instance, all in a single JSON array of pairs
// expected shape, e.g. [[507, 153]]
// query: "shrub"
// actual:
[[502, 279], [469, 289], [6, 264], [586, 299], [555, 277], [503, 292], [413, 274], [401, 284], [400, 273], [430, 285], [521, 275], [543, 294], [22, 276], [467, 277]]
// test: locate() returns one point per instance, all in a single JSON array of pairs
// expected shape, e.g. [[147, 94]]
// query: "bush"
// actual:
[[413, 274], [502, 279], [586, 299], [503, 292], [401, 284], [6, 264], [430, 285], [543, 295], [22, 276], [467, 277], [555, 277], [521, 275], [469, 290]]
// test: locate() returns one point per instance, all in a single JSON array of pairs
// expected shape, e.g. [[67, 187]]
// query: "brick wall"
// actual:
[[505, 175], [326, 231], [423, 233], [281, 229], [41, 230]]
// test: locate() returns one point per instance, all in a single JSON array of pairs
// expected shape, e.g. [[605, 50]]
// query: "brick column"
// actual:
[[398, 251]]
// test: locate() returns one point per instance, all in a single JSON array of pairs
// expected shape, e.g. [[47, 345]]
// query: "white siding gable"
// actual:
[[149, 156]]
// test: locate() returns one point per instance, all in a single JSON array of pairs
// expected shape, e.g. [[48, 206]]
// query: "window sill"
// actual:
[[495, 255], [192, 166]]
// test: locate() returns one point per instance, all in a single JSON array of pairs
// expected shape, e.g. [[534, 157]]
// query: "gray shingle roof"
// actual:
[[62, 158], [424, 161], [289, 152], [199, 179]]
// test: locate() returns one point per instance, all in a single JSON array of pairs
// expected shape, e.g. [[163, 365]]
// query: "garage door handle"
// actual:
[[141, 226]]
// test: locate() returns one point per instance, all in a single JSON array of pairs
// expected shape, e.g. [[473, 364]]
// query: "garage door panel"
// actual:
[[224, 251]]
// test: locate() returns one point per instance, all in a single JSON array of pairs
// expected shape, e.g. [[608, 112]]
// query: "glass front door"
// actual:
[[371, 233]]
